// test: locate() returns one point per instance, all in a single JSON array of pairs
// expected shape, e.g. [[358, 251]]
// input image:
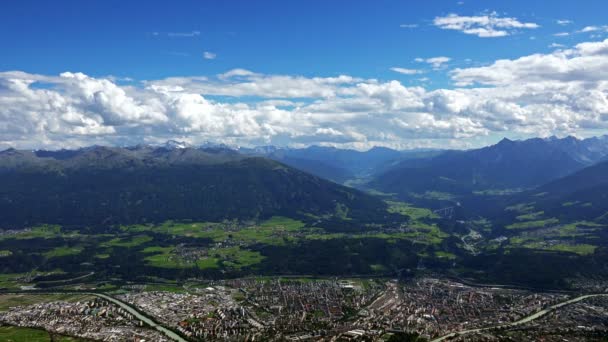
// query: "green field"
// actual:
[[533, 224], [580, 249], [63, 251], [128, 242], [20, 334], [10, 280], [413, 212], [43, 232]]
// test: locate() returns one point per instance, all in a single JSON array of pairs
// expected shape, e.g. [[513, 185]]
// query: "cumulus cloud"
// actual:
[[484, 26], [435, 62], [406, 71], [586, 62], [241, 82], [563, 22], [590, 29], [563, 92]]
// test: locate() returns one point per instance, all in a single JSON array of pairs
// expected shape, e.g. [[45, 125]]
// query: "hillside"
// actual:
[[101, 185], [580, 196]]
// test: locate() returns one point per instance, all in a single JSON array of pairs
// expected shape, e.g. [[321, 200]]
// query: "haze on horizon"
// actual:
[[451, 74]]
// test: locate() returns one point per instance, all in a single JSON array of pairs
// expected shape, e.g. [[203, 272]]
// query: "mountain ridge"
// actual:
[[145, 184]]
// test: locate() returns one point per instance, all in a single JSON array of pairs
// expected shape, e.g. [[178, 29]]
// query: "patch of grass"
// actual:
[[157, 249], [497, 192], [163, 257], [580, 249], [321, 236], [576, 228], [413, 212], [273, 231], [42, 232], [445, 255], [531, 216], [434, 195], [237, 257], [207, 263], [380, 193], [521, 208], [533, 224], [232, 257], [5, 253], [63, 251], [282, 222], [127, 242], [13, 281], [20, 334], [378, 268]]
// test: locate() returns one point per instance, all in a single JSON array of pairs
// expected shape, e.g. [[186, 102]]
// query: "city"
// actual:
[[250, 309]]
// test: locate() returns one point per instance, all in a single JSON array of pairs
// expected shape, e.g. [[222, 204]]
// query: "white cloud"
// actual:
[[556, 45], [484, 26], [408, 25], [209, 55], [594, 30], [405, 71], [587, 62], [435, 62], [561, 34], [184, 34], [590, 29], [241, 82], [562, 92], [563, 22]]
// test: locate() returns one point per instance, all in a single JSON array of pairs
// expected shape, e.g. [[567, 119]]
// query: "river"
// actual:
[[523, 320], [169, 333]]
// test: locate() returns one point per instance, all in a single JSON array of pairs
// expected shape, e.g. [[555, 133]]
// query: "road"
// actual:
[[523, 320]]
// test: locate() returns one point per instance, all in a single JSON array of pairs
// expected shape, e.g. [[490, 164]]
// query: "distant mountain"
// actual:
[[174, 144], [336, 164], [109, 185], [506, 165]]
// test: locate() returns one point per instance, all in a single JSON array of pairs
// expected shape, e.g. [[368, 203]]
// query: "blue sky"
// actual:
[[311, 38], [136, 43]]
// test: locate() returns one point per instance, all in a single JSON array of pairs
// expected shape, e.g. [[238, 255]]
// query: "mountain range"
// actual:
[[506, 166], [339, 165], [144, 183], [111, 185]]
